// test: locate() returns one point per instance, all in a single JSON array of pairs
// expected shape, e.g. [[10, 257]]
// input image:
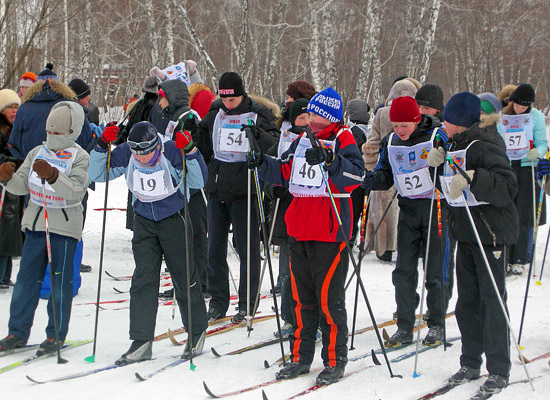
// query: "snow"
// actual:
[[232, 372]]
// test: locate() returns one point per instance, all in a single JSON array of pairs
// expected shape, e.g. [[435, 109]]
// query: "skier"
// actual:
[[318, 252], [63, 164], [403, 162], [224, 146], [524, 132], [490, 189], [154, 175]]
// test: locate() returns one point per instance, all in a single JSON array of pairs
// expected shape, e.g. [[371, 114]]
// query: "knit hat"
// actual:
[[27, 79], [463, 109], [298, 107], [358, 111], [7, 98], [327, 104], [231, 85], [524, 95], [80, 88], [430, 96], [404, 109], [488, 101], [300, 89], [143, 138], [47, 73], [200, 98], [150, 85]]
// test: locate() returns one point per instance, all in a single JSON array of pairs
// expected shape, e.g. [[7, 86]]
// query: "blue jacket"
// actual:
[[157, 210], [29, 127]]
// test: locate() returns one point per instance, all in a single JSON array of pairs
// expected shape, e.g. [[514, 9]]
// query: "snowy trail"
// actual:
[[233, 372]]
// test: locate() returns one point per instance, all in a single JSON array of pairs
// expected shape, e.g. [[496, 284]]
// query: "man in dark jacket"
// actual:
[[224, 146], [489, 191]]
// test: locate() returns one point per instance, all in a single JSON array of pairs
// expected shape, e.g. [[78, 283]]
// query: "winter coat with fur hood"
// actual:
[[29, 127], [63, 221]]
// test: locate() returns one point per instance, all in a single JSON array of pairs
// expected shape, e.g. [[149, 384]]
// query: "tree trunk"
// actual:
[[152, 32], [66, 67], [274, 50], [314, 48], [169, 26], [330, 78], [243, 37], [429, 37]]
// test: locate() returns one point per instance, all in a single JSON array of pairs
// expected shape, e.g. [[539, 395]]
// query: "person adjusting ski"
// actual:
[[318, 253], [57, 170], [154, 174]]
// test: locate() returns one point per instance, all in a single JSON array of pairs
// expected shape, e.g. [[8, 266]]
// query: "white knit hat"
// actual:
[[7, 98]]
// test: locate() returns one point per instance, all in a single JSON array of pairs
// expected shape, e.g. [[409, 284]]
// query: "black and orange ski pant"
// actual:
[[318, 273]]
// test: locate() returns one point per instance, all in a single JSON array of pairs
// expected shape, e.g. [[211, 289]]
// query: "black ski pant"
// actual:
[[220, 216], [318, 274], [152, 240], [197, 213], [479, 315], [520, 253], [357, 200], [412, 236]]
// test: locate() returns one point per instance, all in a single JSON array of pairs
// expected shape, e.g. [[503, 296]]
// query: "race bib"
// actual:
[[149, 184], [515, 140], [169, 133], [414, 183], [305, 174], [233, 140]]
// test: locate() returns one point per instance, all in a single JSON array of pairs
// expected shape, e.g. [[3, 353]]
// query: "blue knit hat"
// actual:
[[463, 109], [47, 73], [327, 104]]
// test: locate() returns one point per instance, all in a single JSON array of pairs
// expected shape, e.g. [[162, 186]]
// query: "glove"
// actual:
[[184, 141], [254, 159], [253, 128], [318, 154], [6, 171], [45, 171], [110, 134], [191, 67], [279, 191], [436, 157], [368, 182], [458, 183], [190, 124], [543, 168], [532, 154]]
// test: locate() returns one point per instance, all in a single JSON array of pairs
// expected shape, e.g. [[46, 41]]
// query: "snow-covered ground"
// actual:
[[233, 372]]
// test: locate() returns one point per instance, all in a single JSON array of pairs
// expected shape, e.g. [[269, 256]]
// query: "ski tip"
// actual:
[[375, 359], [416, 374], [264, 396], [139, 377], [33, 380], [207, 389], [90, 359], [215, 352], [266, 364]]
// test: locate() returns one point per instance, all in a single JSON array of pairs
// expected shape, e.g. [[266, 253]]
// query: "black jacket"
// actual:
[[11, 238], [494, 182], [228, 181], [382, 178]]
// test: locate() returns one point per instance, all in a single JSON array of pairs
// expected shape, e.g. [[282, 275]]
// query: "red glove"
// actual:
[[110, 132], [184, 141]]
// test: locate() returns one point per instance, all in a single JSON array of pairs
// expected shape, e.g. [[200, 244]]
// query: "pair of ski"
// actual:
[[316, 387], [39, 356]]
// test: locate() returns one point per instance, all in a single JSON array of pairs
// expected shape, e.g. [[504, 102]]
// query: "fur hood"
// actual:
[[489, 119], [274, 108], [505, 93], [404, 87], [40, 91]]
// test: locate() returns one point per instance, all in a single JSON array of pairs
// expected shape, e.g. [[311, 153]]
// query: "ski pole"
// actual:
[[489, 271], [314, 143], [255, 147], [2, 197], [537, 212], [444, 268], [366, 201], [373, 236], [425, 272], [60, 360], [539, 282], [102, 247]]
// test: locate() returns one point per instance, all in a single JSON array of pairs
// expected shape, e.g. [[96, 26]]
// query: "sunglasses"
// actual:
[[142, 145]]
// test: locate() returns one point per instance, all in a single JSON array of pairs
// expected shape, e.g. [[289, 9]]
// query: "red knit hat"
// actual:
[[404, 109]]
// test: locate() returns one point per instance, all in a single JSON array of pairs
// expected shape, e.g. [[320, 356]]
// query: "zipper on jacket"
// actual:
[[65, 214], [489, 228], [36, 219]]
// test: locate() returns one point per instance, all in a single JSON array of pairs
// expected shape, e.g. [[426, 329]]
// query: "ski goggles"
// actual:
[[142, 148]]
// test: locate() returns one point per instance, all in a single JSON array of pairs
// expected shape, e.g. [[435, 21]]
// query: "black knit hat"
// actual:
[[231, 85], [298, 107], [524, 95], [80, 88], [430, 96]]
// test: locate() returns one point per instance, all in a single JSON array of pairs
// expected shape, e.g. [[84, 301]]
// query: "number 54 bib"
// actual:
[[229, 142]]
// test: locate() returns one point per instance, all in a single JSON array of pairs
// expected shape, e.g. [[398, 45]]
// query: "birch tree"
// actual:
[[429, 39]]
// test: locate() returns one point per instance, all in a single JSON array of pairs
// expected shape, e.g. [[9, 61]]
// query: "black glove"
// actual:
[[318, 154], [253, 128], [368, 182], [279, 191], [190, 123], [254, 159], [543, 168]]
